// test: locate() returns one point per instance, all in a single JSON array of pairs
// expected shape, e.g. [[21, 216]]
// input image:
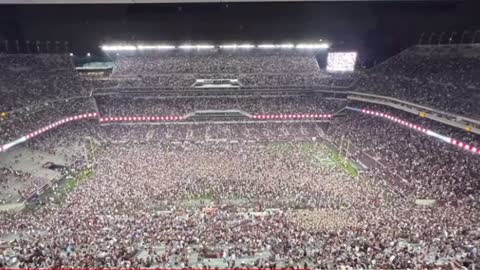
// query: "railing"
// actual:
[[165, 118], [465, 123], [470, 148]]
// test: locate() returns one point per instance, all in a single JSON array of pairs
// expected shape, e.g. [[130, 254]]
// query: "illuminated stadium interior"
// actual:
[[290, 152]]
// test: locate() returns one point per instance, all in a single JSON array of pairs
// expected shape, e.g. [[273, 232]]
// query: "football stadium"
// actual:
[[246, 154]]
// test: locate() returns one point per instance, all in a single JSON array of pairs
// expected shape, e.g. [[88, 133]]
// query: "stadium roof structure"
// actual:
[[30, 2]]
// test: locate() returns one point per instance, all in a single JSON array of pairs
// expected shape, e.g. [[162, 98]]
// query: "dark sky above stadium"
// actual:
[[377, 28]]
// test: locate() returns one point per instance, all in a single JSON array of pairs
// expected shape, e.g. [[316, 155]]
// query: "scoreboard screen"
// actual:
[[341, 61]]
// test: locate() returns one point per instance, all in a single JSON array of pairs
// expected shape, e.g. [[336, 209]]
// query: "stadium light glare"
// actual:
[[186, 47], [71, 54], [313, 46], [236, 46], [266, 46], [229, 46], [197, 47], [112, 48], [204, 46], [246, 46], [88, 54], [155, 47], [286, 46]]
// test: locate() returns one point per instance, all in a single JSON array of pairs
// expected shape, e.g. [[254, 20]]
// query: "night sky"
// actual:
[[375, 29]]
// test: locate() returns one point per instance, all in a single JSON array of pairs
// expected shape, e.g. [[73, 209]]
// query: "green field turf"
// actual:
[[319, 153]]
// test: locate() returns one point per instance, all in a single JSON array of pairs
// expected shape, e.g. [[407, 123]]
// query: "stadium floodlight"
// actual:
[[236, 46], [198, 47], [155, 47], [313, 46], [286, 46], [204, 46], [71, 54], [229, 46], [88, 54], [111, 48], [267, 46], [246, 46], [186, 47]]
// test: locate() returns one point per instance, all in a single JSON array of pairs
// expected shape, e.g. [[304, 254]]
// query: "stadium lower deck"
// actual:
[[267, 204]]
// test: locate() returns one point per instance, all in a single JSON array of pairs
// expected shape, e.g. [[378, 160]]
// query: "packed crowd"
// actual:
[[214, 63], [200, 195], [237, 205], [9, 179], [21, 122], [30, 79], [274, 81], [265, 69], [431, 168], [442, 77], [444, 64], [294, 104]]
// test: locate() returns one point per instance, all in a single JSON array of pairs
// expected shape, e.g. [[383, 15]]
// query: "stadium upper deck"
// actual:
[[444, 77], [217, 62]]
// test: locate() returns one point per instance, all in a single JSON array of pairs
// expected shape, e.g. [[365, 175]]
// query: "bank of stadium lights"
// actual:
[[301, 46], [276, 46], [313, 46], [286, 46], [196, 47], [118, 48], [237, 46], [155, 47], [266, 46]]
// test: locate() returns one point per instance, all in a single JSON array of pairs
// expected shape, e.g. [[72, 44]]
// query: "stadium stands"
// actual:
[[23, 122], [214, 63], [255, 68], [253, 191], [444, 77], [31, 79], [429, 166], [140, 106]]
